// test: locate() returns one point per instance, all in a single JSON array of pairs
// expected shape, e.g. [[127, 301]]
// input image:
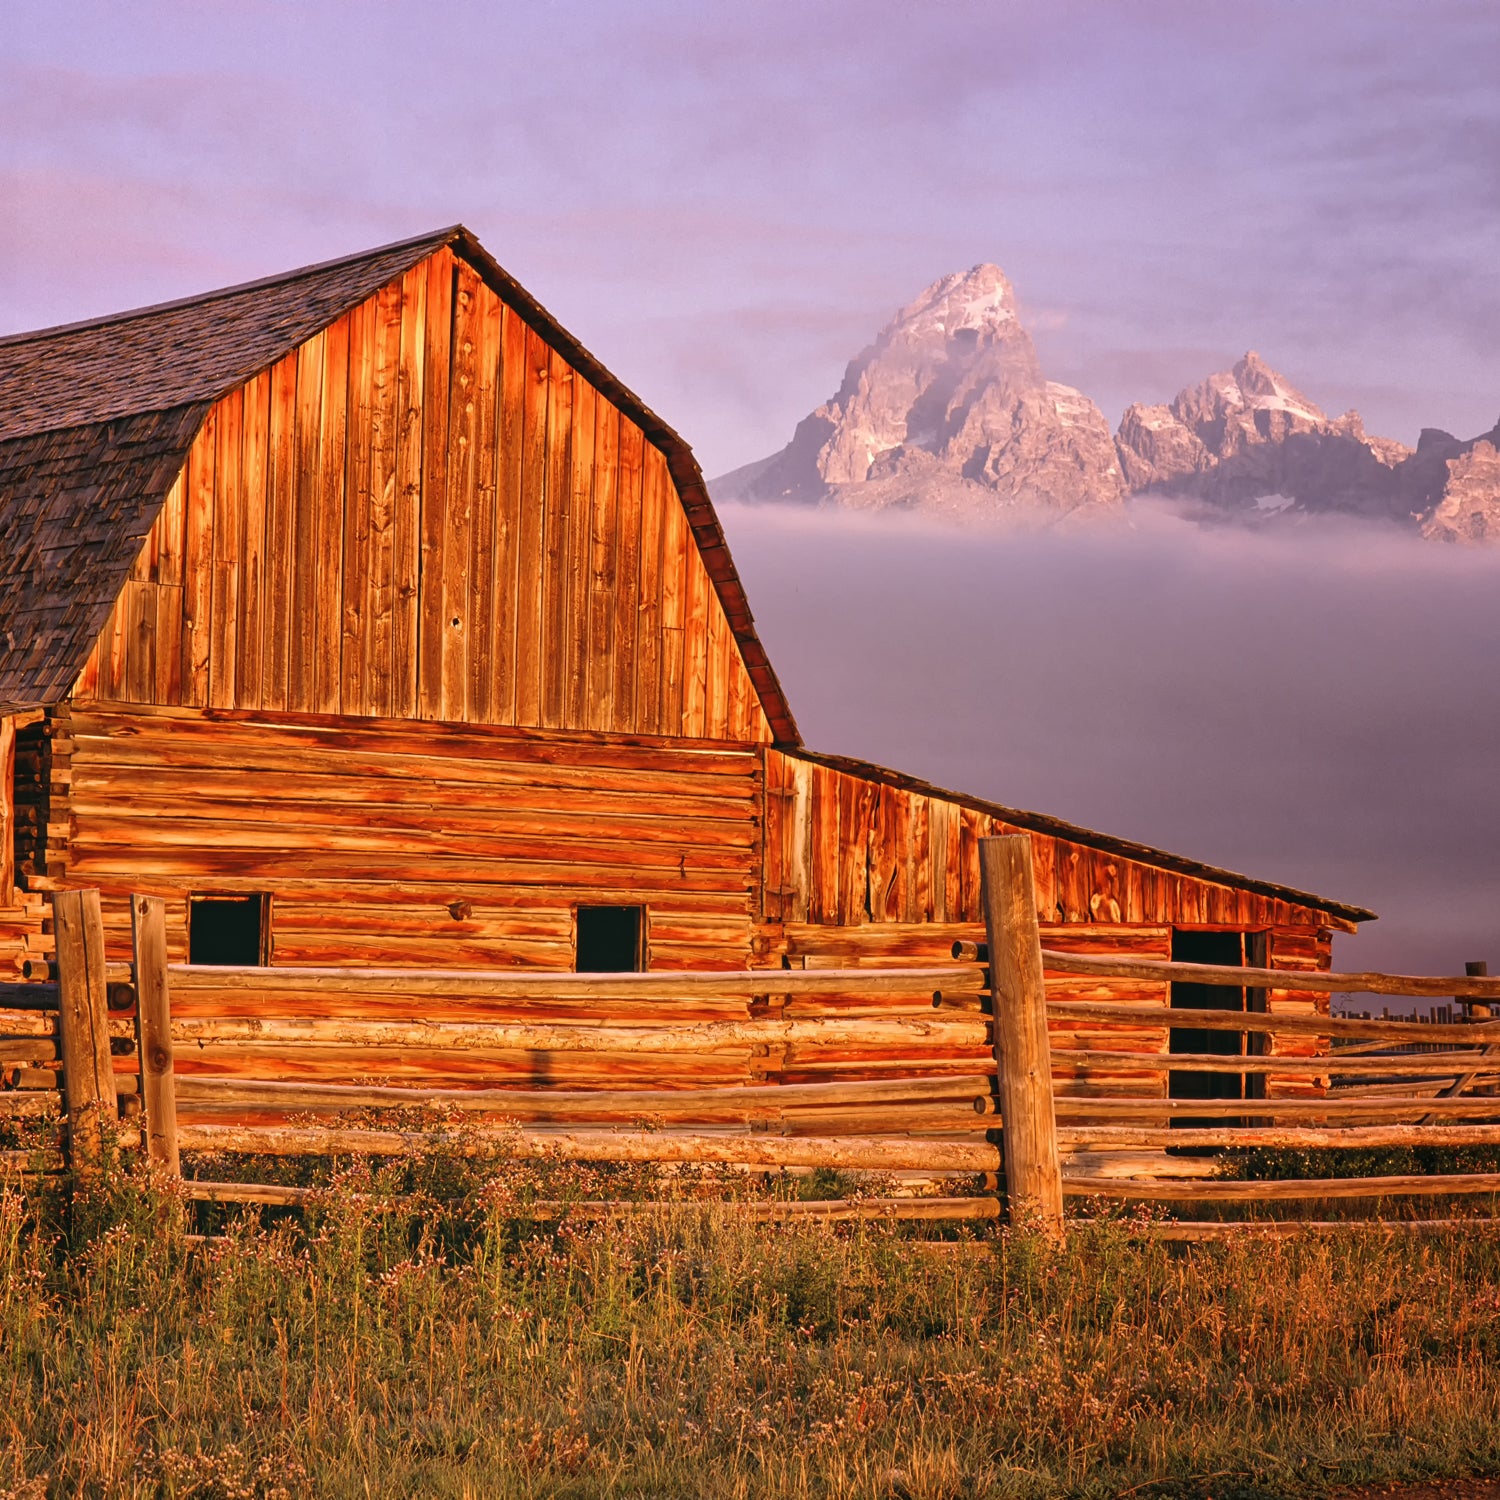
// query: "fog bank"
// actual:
[[1316, 706]]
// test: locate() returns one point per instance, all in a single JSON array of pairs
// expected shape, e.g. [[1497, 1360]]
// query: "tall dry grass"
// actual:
[[395, 1341]]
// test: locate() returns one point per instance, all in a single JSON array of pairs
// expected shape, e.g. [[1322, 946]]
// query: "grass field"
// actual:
[[390, 1343]]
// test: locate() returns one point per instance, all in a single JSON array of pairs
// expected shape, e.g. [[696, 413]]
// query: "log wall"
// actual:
[[382, 842], [425, 512]]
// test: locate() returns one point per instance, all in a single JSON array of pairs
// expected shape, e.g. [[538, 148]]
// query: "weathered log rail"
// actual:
[[961, 1070]]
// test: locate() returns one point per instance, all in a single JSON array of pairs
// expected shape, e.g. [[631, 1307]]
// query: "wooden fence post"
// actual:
[[1023, 1052], [88, 1077], [153, 1030]]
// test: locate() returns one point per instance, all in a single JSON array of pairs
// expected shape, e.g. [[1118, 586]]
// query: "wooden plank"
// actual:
[[281, 524], [197, 564], [800, 846], [578, 615], [253, 604], [354, 695], [676, 543], [138, 606], [88, 1078], [557, 583], [228, 535], [462, 469], [821, 859], [1022, 1047], [532, 533], [168, 534], [1439, 987], [7, 810], [301, 656], [508, 499], [855, 798], [1280, 1137], [919, 902], [328, 557], [485, 541], [166, 736], [856, 1153], [406, 560], [1285, 1190], [650, 716], [628, 607], [377, 671], [868, 1033], [148, 918], [718, 710], [603, 593], [1393, 1032], [917, 980], [432, 620], [697, 592]]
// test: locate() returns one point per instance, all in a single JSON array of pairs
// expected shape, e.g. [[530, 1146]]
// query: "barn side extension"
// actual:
[[364, 620]]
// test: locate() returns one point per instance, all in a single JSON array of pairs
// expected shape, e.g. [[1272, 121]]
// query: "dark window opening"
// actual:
[[228, 930], [609, 939]]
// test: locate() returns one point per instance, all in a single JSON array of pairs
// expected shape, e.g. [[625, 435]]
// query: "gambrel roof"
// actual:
[[96, 419]]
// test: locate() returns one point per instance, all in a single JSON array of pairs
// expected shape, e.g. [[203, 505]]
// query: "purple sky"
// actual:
[[1313, 705], [724, 202]]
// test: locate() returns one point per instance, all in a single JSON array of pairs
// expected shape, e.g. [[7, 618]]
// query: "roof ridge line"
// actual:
[[435, 238]]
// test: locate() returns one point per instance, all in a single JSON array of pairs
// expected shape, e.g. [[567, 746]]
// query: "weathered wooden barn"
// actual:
[[363, 615]]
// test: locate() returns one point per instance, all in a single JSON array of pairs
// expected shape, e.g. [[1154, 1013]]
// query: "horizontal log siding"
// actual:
[[1298, 949], [366, 833], [426, 513]]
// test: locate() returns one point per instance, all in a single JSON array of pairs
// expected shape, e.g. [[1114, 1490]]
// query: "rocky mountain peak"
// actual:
[[1247, 439], [948, 408], [977, 304]]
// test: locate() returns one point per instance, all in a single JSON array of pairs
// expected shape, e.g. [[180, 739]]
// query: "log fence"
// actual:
[[944, 1072]]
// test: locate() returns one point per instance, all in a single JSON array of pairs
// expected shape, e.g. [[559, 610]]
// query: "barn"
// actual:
[[364, 616]]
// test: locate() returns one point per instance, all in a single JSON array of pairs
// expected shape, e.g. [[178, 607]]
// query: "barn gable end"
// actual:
[[426, 511], [366, 453]]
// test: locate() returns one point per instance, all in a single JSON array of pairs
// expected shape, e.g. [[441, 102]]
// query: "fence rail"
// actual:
[[967, 1069]]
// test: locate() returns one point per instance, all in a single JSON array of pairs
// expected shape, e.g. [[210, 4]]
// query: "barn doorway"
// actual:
[[1236, 950]]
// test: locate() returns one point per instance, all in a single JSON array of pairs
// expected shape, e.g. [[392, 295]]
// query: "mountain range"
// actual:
[[949, 410]]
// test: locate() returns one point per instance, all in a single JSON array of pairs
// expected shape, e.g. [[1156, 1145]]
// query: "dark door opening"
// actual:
[[230, 930], [1233, 950], [609, 940]]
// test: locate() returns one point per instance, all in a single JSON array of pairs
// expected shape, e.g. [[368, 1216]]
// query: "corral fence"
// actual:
[[170, 1058]]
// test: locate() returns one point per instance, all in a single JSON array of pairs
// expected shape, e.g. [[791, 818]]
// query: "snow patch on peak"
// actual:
[[980, 300]]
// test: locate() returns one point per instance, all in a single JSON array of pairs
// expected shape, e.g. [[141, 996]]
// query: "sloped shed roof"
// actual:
[[96, 420]]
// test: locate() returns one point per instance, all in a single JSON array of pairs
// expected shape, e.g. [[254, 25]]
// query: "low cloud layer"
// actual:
[[1316, 705]]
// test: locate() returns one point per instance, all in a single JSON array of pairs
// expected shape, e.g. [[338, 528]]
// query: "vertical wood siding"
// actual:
[[425, 512], [846, 850]]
